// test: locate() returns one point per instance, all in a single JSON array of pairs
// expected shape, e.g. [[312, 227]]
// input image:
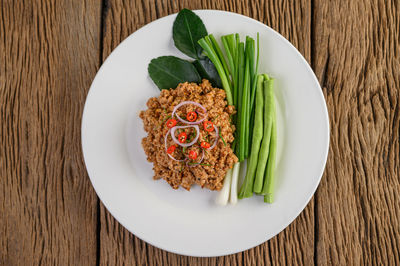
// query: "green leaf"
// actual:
[[208, 71], [186, 31], [168, 71]]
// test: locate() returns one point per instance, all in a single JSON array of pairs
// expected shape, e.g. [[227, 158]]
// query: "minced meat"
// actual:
[[211, 171]]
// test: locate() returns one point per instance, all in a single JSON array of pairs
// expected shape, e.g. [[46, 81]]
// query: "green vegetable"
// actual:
[[256, 71], [257, 136], [235, 179], [253, 86], [186, 31], [208, 71], [226, 41], [239, 91], [221, 57], [247, 188], [269, 179], [268, 117], [168, 71], [223, 194], [249, 82], [207, 46], [236, 75], [244, 116]]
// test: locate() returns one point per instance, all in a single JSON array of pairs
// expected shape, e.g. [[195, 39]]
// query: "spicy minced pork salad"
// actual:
[[189, 135], [214, 113]]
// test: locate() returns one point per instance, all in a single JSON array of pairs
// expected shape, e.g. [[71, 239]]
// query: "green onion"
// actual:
[[244, 113], [207, 46]]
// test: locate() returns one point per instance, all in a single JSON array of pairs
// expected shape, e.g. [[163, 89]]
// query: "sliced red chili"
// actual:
[[171, 149], [182, 137], [191, 116], [193, 155], [171, 123], [205, 144], [208, 126]]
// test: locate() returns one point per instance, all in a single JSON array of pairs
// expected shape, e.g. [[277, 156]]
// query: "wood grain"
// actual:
[[49, 53], [356, 58], [295, 245]]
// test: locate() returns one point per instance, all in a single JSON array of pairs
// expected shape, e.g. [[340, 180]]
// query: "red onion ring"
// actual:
[[216, 138], [166, 148], [185, 144], [188, 122], [199, 162]]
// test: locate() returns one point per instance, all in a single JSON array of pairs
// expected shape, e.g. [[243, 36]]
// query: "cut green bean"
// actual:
[[247, 188], [268, 117]]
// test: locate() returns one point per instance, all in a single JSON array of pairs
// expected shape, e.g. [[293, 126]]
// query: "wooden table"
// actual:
[[50, 52]]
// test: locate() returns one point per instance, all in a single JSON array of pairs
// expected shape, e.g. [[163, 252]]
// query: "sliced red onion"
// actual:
[[185, 144], [166, 148], [216, 138], [199, 162], [188, 122]]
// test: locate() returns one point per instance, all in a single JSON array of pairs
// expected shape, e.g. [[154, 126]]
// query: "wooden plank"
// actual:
[[295, 245], [49, 54], [356, 58]]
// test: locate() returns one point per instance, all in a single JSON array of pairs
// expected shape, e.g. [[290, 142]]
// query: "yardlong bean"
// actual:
[[264, 149], [269, 178], [247, 188]]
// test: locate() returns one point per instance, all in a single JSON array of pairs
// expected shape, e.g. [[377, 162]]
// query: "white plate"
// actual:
[[189, 223]]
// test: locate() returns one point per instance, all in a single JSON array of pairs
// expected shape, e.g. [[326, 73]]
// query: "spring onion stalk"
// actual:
[[234, 184], [257, 138], [253, 88], [256, 70], [250, 53], [237, 62], [229, 55], [231, 51], [244, 113], [247, 120], [230, 39], [218, 65], [240, 78], [221, 57], [223, 194], [268, 118]]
